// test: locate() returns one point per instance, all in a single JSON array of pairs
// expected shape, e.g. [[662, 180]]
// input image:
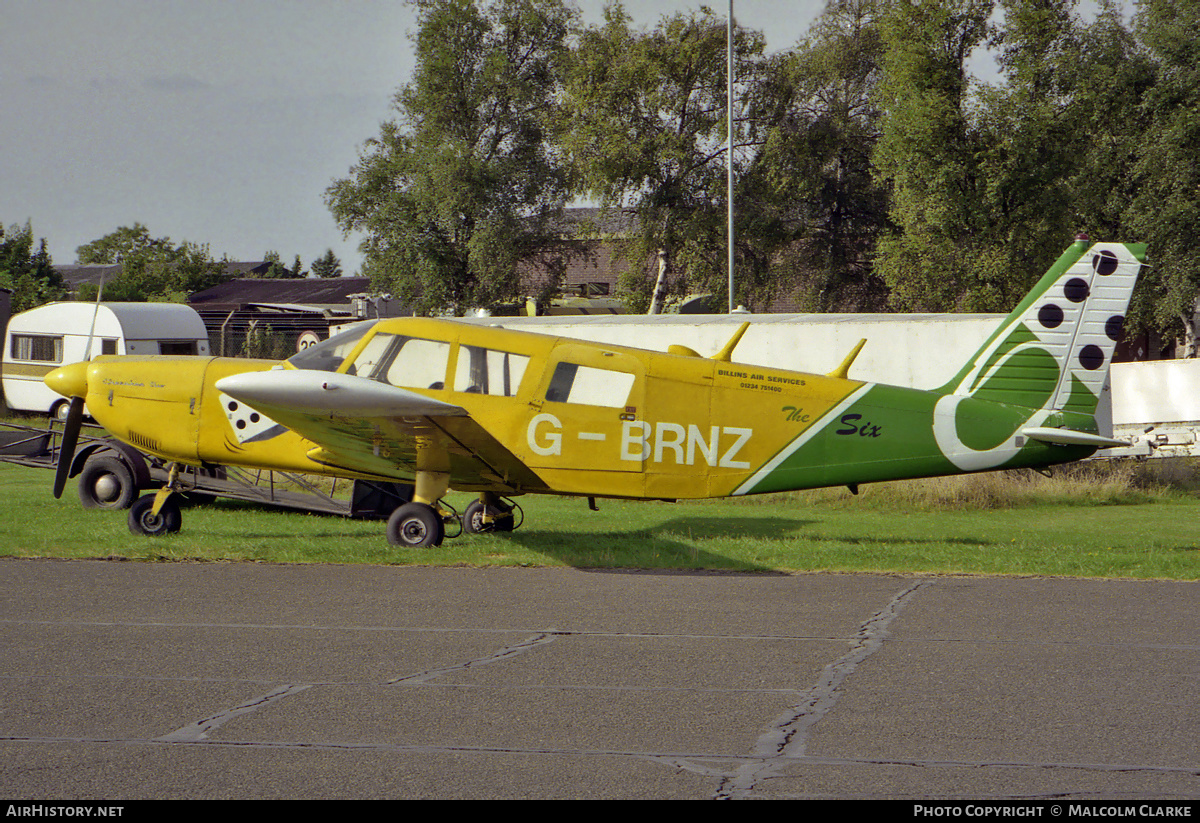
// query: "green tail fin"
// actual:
[[1053, 351]]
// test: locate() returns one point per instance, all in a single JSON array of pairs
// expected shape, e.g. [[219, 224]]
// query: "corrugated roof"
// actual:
[[306, 291]]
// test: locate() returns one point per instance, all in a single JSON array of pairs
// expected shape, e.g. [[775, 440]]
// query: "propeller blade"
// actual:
[[66, 453]]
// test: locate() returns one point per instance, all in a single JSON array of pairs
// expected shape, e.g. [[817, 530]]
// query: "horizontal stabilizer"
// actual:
[[1070, 437], [322, 392]]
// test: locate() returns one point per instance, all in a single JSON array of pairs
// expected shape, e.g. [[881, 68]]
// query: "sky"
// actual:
[[220, 122]]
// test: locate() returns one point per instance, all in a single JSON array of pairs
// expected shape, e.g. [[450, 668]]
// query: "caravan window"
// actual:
[[174, 346], [41, 347]]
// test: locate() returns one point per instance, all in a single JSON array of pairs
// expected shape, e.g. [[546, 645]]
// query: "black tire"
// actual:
[[415, 526], [142, 522], [472, 518], [106, 483], [59, 410]]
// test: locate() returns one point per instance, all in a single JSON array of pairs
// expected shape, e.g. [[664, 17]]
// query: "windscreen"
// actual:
[[329, 354]]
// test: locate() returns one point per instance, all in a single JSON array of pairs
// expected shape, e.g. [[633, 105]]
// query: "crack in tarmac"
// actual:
[[787, 737], [503, 654], [200, 729], [194, 732]]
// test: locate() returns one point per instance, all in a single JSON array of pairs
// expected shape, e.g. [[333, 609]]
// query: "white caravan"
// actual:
[[42, 339]]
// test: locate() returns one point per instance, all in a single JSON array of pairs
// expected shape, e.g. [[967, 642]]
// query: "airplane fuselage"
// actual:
[[566, 417]]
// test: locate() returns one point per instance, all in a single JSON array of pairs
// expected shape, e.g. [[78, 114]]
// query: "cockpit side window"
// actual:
[[572, 383], [489, 371], [407, 362]]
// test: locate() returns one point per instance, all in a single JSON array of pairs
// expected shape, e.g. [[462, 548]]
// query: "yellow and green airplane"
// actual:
[[448, 405]]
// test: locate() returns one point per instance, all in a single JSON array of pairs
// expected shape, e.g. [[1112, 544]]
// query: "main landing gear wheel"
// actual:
[[142, 521], [106, 483], [415, 526], [473, 518]]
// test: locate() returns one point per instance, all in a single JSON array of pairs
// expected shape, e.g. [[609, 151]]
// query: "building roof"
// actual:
[[307, 291], [77, 275], [587, 220]]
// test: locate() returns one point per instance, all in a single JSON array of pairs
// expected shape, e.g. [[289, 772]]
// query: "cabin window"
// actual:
[[489, 371], [409, 362], [175, 346], [41, 347], [109, 346], [572, 383]]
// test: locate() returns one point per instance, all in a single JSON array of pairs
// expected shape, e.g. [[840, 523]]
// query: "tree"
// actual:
[[643, 126], [278, 271], [463, 186], [1165, 211], [1029, 146], [152, 269], [928, 154], [126, 242], [327, 265], [810, 208], [29, 274], [1109, 75]]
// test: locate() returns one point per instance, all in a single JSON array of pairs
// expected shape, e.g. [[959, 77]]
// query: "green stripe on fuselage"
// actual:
[[887, 434]]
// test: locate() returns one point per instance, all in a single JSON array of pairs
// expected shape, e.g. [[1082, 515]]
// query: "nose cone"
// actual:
[[69, 381]]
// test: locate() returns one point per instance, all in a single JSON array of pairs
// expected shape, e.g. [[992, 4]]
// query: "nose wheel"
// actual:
[[157, 514], [144, 520]]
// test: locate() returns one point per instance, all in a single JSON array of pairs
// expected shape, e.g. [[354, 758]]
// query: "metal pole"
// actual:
[[729, 144]]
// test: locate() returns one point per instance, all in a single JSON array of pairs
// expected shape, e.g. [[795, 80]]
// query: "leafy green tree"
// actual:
[[643, 125], [278, 271], [1109, 75], [126, 242], [152, 269], [463, 186], [1165, 211], [29, 274], [327, 265], [928, 154], [810, 209], [1029, 146]]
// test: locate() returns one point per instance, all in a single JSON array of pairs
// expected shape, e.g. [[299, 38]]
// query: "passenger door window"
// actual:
[[489, 371]]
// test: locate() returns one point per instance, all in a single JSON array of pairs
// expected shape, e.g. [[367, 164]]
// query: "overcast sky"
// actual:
[[218, 121]]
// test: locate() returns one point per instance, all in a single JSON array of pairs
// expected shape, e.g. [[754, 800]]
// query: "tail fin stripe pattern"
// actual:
[[1056, 344]]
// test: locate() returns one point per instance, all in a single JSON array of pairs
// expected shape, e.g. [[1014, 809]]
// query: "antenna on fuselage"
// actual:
[[843, 370], [727, 352]]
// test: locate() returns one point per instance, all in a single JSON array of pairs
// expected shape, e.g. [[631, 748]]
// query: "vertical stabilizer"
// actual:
[[1053, 351]]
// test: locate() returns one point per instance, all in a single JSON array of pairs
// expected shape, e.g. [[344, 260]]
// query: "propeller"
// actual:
[[71, 381], [66, 452]]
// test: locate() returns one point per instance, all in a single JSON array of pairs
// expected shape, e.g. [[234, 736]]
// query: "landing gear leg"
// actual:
[[157, 514], [421, 523]]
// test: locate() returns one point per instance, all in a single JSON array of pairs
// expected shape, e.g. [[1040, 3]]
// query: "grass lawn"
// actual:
[[1122, 520]]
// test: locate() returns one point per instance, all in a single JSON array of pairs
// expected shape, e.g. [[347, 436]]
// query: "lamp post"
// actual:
[[729, 145]]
